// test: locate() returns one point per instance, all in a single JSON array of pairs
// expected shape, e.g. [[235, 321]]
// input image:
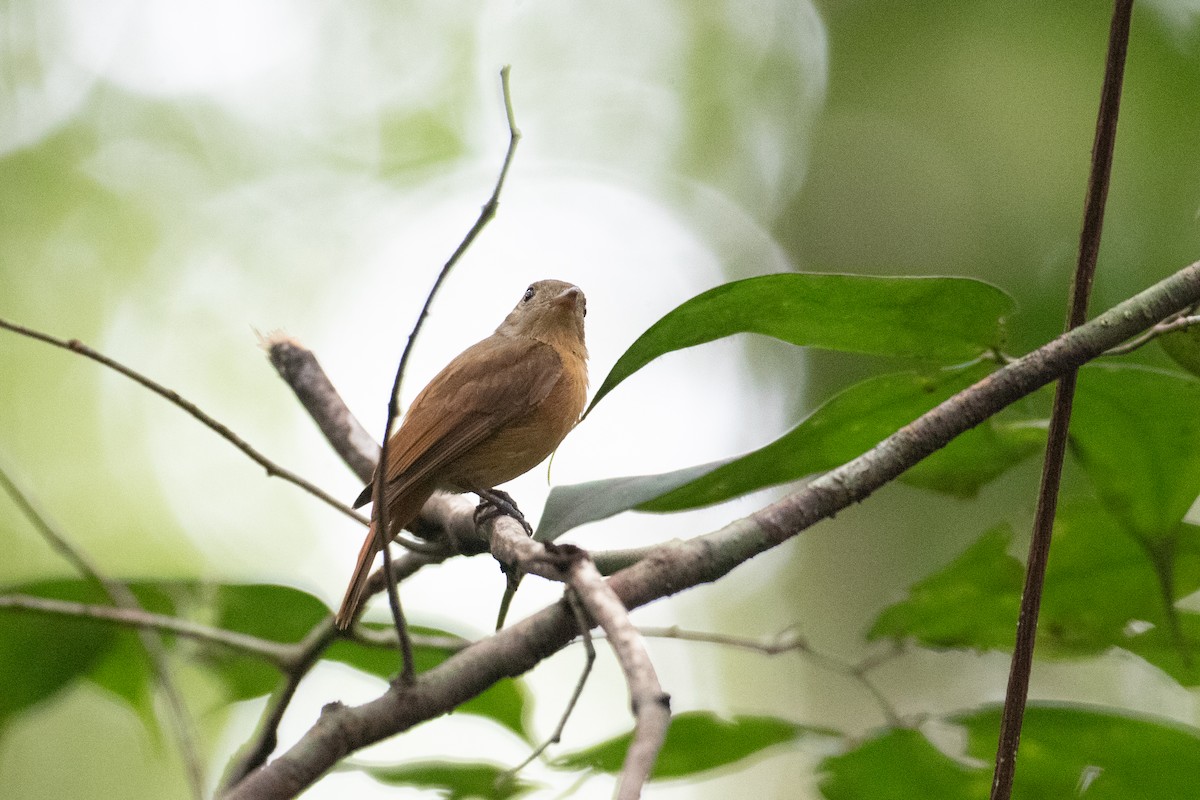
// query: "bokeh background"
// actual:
[[176, 177]]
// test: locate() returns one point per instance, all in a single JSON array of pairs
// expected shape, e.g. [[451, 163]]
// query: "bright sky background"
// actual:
[[296, 223]]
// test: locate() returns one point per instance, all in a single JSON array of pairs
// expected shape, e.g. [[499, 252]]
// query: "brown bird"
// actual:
[[495, 412]]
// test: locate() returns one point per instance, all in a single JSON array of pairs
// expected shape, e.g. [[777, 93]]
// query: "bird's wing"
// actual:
[[489, 385]]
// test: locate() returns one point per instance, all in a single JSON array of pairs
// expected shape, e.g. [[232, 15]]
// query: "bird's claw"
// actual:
[[493, 503]]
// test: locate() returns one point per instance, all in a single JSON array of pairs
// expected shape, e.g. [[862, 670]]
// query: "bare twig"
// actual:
[[276, 653], [272, 469], [676, 566], [266, 736], [1060, 418], [788, 641], [485, 216], [121, 596], [300, 370], [1178, 323], [443, 513], [589, 649], [572, 565]]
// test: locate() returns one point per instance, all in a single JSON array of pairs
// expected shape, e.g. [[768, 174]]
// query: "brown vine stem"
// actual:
[[1060, 419]]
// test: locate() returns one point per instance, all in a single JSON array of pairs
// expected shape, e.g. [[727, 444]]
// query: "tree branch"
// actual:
[[300, 370], [676, 566], [273, 470], [651, 706], [276, 653]]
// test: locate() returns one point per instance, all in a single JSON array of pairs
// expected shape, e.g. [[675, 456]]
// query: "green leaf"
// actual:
[[504, 702], [1094, 753], [696, 741], [900, 764], [943, 320], [40, 654], [454, 781], [971, 603], [1161, 646], [125, 669], [1184, 347], [1066, 751], [1098, 583], [278, 613], [1136, 431], [847, 425], [572, 505]]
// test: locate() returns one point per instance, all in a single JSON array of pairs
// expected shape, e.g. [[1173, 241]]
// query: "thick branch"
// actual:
[[681, 565], [300, 370]]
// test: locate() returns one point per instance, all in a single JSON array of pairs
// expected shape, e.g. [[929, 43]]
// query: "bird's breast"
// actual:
[[523, 442]]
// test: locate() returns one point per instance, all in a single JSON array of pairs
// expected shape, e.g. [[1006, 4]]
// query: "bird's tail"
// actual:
[[358, 583], [404, 509]]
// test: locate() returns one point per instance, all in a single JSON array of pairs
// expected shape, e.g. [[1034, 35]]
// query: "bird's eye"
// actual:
[[528, 295], [585, 309]]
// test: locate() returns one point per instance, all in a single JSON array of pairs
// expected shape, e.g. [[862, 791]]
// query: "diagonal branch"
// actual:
[[676, 566], [273, 469], [300, 370]]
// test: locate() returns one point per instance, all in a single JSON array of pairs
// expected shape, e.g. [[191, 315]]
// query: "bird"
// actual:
[[493, 413]]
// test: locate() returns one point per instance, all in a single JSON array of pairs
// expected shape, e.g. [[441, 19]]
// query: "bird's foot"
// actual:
[[495, 502]]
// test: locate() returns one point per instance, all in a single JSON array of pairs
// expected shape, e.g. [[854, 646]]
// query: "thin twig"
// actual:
[[585, 635], [272, 469], [321, 400], [677, 566], [789, 642], [485, 216], [381, 509], [1060, 418], [121, 595], [274, 652], [386, 638], [1178, 323], [650, 705]]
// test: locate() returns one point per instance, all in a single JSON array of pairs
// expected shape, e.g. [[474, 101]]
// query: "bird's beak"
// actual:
[[569, 297]]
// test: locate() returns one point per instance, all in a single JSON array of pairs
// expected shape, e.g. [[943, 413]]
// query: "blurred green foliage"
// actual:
[[953, 140]]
